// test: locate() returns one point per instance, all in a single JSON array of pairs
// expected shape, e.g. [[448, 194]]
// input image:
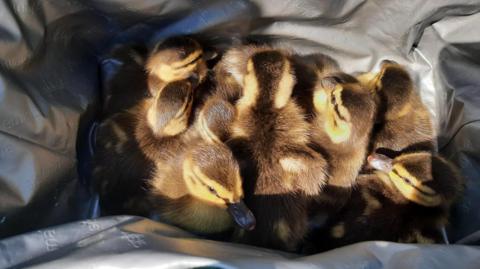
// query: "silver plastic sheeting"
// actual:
[[51, 55]]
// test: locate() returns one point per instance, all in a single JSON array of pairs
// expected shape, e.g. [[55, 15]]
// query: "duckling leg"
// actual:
[[305, 170], [169, 113]]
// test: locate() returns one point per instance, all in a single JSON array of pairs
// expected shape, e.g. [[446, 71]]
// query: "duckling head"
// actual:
[[393, 85], [420, 177], [177, 58], [169, 113], [268, 81], [347, 107], [212, 175]]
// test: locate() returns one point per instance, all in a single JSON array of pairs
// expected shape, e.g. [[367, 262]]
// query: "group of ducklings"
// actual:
[[270, 141]]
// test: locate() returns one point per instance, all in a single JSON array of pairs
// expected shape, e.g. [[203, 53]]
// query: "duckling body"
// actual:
[[343, 118], [280, 170], [190, 178], [403, 122], [407, 201]]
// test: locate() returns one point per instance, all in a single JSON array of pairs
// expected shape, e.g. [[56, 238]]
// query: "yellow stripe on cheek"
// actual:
[[221, 190], [338, 133], [410, 193], [417, 183], [196, 188]]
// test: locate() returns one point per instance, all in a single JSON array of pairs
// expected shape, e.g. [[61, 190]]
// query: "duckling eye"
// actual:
[[212, 190]]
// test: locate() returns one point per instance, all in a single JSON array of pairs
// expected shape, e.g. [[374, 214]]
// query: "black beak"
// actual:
[[242, 215]]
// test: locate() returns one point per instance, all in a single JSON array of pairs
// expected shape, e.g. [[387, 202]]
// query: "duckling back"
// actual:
[[282, 170], [403, 122]]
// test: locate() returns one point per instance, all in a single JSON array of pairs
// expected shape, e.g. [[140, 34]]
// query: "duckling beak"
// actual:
[[242, 215], [380, 162]]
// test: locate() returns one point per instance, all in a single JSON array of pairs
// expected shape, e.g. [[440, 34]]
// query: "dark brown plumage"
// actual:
[[190, 179], [231, 69], [403, 122], [270, 137], [128, 85], [407, 201], [341, 125]]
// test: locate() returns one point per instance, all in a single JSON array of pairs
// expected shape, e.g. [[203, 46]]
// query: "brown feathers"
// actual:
[[183, 172], [281, 134], [279, 169], [403, 121], [407, 202]]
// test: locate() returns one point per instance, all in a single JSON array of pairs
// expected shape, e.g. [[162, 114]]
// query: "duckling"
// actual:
[[186, 175], [176, 58], [272, 136], [142, 74], [340, 128], [403, 122], [196, 184], [406, 199]]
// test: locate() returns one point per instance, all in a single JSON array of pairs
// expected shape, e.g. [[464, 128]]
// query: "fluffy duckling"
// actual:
[[341, 127], [197, 185], [406, 199], [141, 74], [270, 132], [176, 58], [403, 122], [187, 176]]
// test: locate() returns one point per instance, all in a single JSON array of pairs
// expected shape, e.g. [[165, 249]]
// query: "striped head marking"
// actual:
[[212, 175], [269, 79], [177, 58], [347, 107], [411, 174]]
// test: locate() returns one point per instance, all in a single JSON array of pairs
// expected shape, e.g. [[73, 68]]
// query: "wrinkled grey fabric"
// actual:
[[50, 85]]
